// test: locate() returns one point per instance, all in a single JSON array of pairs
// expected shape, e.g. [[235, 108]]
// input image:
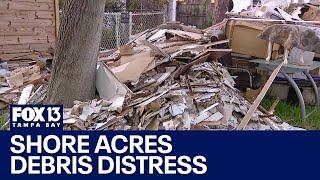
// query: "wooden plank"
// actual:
[[30, 6], [31, 22], [22, 31], [33, 39], [4, 6], [9, 40], [260, 97], [16, 48], [17, 14], [45, 14], [57, 16], [41, 47]]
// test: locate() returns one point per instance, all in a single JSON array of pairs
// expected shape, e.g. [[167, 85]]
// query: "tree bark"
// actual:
[[220, 9], [76, 52]]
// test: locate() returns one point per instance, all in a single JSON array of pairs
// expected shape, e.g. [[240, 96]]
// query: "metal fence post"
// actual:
[[130, 26], [164, 17], [116, 33], [117, 29]]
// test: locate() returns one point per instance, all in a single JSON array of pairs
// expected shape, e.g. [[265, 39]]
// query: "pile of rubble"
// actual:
[[24, 79], [168, 78], [172, 77], [277, 10]]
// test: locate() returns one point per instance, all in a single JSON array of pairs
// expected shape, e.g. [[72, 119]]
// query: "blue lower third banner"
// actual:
[[36, 147]]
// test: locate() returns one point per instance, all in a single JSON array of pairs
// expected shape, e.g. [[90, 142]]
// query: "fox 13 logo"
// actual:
[[36, 117]]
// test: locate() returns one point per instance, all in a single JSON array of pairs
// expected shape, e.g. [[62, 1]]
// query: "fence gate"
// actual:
[[120, 27]]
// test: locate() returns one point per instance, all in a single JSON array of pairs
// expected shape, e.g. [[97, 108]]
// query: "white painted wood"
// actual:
[[26, 92]]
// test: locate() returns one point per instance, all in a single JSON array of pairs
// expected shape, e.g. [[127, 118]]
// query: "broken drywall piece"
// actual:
[[215, 117], [240, 5], [171, 125], [202, 117], [117, 103], [177, 109], [284, 14], [159, 34], [186, 121], [26, 92], [87, 111], [4, 69], [108, 85]]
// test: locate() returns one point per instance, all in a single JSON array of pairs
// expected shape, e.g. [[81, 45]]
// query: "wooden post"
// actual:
[[172, 10], [57, 17], [260, 97]]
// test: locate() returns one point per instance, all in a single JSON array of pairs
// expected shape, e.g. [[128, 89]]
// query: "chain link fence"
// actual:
[[119, 27]]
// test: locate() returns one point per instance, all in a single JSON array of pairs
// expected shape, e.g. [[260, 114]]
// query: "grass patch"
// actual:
[[3, 119], [291, 113]]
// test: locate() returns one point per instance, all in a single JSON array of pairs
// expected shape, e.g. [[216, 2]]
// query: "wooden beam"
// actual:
[[260, 97], [57, 17]]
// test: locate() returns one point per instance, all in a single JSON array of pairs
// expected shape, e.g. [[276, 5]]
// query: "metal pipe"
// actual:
[[314, 86], [299, 94]]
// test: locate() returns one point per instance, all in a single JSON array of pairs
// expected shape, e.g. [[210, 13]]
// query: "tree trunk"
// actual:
[[220, 9], [76, 52]]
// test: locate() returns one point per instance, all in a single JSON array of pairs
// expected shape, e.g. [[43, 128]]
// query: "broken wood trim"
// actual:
[[274, 106], [217, 43], [138, 36], [155, 48], [203, 58], [219, 50], [260, 97]]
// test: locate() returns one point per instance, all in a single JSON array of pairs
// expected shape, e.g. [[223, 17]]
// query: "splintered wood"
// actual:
[[168, 78]]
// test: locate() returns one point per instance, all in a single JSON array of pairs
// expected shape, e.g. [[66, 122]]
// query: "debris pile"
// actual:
[[24, 79], [169, 78], [175, 77], [277, 10]]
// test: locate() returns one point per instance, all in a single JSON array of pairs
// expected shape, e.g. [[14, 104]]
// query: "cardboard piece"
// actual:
[[243, 39], [133, 66]]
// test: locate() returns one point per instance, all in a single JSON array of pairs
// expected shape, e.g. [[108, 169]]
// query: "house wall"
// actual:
[[27, 25]]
